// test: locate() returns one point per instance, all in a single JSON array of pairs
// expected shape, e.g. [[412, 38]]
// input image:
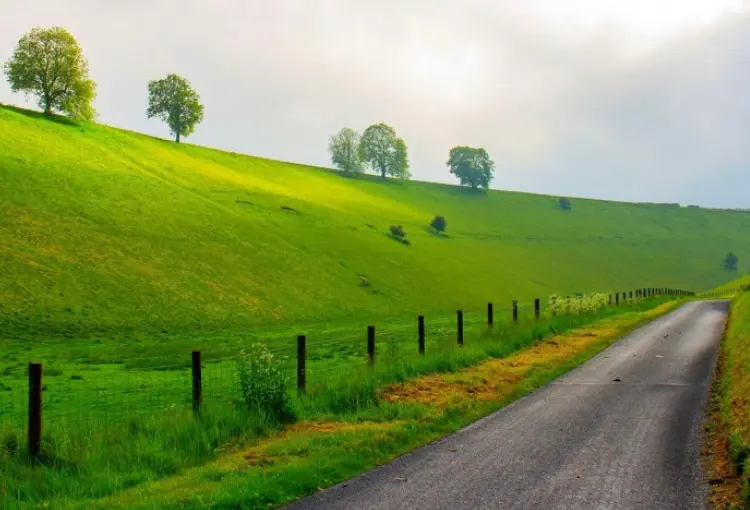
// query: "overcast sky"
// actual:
[[645, 100]]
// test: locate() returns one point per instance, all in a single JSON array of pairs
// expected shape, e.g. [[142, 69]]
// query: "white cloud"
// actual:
[[638, 100]]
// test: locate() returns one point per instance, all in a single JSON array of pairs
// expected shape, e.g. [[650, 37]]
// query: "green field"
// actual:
[[105, 231], [113, 427], [121, 253]]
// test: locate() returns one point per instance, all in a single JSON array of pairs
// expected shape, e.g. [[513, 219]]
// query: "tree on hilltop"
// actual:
[[565, 204], [384, 151], [344, 149], [49, 64], [472, 166], [173, 100]]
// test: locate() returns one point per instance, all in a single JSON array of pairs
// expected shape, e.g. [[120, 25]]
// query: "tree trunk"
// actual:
[[177, 137], [382, 172]]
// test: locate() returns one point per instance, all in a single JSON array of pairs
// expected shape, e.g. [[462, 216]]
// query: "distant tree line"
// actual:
[[381, 150]]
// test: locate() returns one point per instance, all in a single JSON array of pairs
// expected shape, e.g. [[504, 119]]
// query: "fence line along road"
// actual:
[[196, 365]]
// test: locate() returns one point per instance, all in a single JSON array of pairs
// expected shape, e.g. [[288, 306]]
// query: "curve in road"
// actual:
[[621, 431]]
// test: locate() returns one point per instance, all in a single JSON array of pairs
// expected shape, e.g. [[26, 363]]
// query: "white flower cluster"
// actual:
[[577, 305]]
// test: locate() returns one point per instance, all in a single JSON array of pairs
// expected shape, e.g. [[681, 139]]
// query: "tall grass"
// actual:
[[92, 459], [734, 389]]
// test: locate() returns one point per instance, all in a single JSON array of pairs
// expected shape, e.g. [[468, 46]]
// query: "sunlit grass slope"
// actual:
[[103, 230]]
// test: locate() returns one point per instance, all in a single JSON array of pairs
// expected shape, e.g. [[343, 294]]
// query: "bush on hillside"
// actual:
[[263, 383], [730, 262], [439, 224], [398, 231], [565, 204]]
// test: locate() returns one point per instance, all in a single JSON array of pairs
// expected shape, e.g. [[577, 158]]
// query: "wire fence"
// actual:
[[100, 393]]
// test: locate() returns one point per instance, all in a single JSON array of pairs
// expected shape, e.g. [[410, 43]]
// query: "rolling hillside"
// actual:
[[104, 230]]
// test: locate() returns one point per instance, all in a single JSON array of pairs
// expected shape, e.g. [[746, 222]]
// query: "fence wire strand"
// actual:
[[81, 389]]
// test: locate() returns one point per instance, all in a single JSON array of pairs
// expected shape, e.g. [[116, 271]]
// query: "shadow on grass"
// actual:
[[57, 119], [433, 232]]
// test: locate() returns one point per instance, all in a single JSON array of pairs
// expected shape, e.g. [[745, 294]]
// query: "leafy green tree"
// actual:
[[473, 167], [49, 64], [730, 262], [384, 151], [173, 100], [344, 149], [565, 204], [439, 224]]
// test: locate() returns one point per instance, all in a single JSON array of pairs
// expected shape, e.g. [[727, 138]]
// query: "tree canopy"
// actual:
[[472, 166], [439, 224], [49, 64], [730, 262], [384, 151], [173, 100], [344, 149]]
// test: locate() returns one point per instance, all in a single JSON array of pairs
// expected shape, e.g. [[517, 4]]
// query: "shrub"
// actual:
[[364, 281], [263, 384], [439, 224], [397, 231], [730, 262], [565, 204], [579, 305]]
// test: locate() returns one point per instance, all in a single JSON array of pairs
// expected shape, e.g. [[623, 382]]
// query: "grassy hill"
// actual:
[[107, 230]]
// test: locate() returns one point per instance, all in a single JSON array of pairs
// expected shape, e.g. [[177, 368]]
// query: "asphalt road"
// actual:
[[584, 441]]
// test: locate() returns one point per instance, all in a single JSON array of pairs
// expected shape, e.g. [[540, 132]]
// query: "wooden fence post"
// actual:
[[371, 345], [536, 308], [490, 315], [460, 326], [301, 362], [420, 331], [515, 311], [35, 409], [197, 382]]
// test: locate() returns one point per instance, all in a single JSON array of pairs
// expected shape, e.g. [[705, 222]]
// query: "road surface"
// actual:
[[621, 431]]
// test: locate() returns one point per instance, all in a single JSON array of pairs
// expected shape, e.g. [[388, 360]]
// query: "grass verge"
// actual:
[[302, 458], [728, 428]]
